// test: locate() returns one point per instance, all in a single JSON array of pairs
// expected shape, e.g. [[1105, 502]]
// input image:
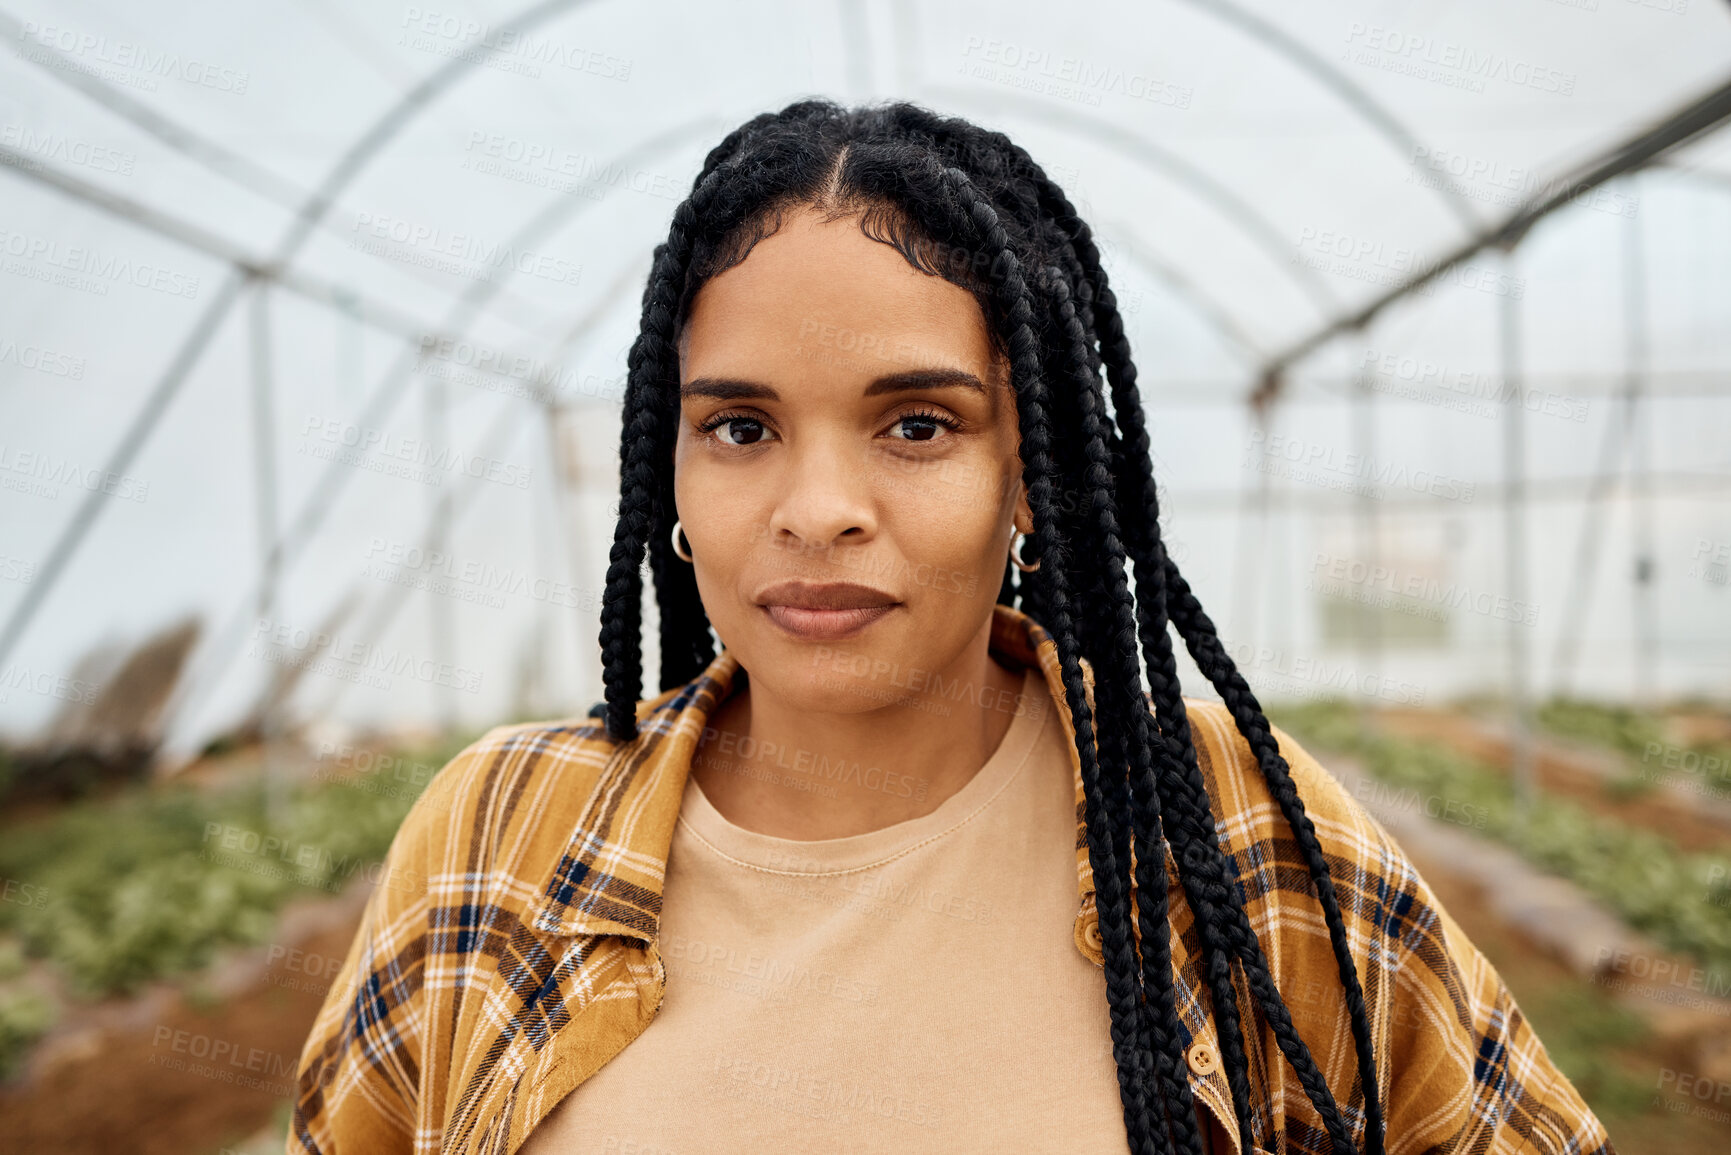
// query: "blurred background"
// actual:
[[313, 323]]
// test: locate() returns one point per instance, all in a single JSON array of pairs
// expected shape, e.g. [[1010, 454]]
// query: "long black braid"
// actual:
[[1154, 570], [971, 206]]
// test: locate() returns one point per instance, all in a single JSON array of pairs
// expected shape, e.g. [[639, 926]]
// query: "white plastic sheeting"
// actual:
[[446, 212]]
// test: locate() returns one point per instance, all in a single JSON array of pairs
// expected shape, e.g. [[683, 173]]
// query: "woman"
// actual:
[[881, 874]]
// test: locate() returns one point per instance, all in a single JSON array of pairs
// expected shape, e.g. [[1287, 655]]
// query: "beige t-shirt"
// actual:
[[914, 988]]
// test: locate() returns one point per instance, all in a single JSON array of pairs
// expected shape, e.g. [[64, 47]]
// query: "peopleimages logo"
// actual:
[[471, 579], [468, 253], [416, 458], [63, 149], [423, 28], [88, 269], [50, 471], [41, 360], [1447, 62], [482, 366], [88, 52], [15, 676], [1478, 392], [352, 658], [1303, 676], [1332, 574], [305, 862], [1316, 463], [1369, 259], [1070, 77], [553, 166], [1711, 561]]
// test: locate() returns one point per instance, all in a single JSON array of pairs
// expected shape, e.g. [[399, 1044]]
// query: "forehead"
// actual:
[[822, 294]]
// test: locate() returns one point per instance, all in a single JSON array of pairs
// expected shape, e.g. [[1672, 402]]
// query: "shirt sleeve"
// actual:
[[1462, 1068], [360, 1073]]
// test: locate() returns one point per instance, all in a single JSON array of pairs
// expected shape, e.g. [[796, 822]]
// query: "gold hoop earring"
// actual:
[[683, 555], [1016, 553]]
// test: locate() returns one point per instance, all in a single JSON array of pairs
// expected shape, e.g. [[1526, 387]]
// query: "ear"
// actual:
[[1023, 519]]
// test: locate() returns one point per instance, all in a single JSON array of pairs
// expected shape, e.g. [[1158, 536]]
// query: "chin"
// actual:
[[846, 694], [851, 675]]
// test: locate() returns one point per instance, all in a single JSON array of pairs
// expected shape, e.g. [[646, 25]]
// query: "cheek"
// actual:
[[719, 518], [947, 519]]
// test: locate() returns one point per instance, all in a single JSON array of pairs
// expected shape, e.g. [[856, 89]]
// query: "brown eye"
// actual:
[[743, 431], [737, 430], [922, 426]]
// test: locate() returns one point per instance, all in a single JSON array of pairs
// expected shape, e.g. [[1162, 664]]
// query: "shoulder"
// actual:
[[506, 758], [525, 785], [1238, 787], [1370, 871]]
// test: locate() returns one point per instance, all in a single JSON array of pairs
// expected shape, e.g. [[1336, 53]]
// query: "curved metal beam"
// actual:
[[319, 502], [379, 134], [181, 231], [186, 358], [1369, 109], [1704, 115], [1242, 215], [1212, 311], [143, 424], [209, 154]]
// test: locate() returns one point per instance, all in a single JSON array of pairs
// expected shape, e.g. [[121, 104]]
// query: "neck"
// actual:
[[762, 760]]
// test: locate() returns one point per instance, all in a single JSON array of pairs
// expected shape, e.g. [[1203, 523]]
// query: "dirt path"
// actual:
[[165, 1074], [1693, 824]]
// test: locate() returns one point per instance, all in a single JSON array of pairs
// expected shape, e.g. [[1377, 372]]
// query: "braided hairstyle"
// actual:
[[971, 206]]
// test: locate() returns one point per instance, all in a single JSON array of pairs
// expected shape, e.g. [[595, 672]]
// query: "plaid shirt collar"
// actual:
[[669, 728]]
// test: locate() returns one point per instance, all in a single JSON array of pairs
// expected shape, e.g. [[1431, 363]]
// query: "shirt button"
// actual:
[[1203, 1060], [1091, 934]]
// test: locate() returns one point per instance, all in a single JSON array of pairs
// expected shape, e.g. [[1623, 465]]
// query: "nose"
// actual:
[[825, 500]]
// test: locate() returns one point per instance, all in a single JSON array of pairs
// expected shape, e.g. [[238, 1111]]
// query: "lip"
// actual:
[[824, 611], [824, 625]]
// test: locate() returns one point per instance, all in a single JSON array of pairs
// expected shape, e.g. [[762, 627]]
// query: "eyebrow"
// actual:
[[911, 380]]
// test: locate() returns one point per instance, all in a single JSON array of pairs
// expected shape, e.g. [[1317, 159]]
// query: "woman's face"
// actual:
[[845, 469]]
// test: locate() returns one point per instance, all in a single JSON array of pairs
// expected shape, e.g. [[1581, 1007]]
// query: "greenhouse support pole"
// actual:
[[265, 498], [385, 602], [1367, 632], [1582, 573], [1620, 433], [435, 411], [1515, 536], [1250, 562], [264, 443], [1640, 422], [565, 454]]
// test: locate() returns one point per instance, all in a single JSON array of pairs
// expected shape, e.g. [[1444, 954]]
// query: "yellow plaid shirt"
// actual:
[[510, 950]]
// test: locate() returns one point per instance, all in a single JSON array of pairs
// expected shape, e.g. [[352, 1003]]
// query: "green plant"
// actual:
[[151, 882], [1621, 728], [1643, 876], [1640, 737], [11, 959], [24, 1017]]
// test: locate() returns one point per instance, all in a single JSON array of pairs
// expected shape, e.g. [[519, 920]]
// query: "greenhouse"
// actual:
[[311, 438]]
